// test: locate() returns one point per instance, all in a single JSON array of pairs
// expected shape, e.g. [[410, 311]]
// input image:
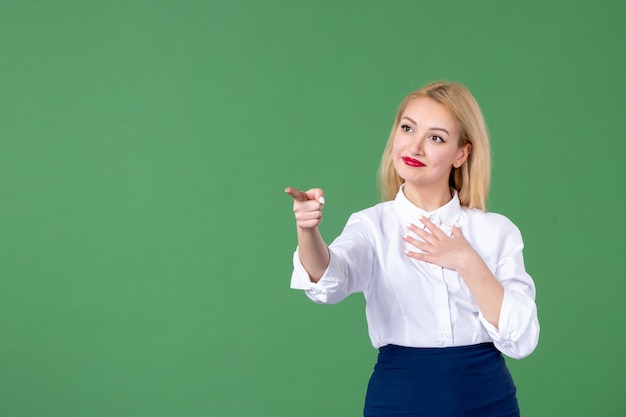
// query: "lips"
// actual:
[[412, 162]]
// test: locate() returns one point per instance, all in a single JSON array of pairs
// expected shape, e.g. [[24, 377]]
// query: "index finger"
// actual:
[[296, 194], [434, 229], [302, 196]]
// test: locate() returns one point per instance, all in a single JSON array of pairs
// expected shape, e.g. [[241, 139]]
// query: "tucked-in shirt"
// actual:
[[419, 304]]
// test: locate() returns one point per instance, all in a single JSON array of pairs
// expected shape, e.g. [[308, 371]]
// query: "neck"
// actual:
[[426, 198]]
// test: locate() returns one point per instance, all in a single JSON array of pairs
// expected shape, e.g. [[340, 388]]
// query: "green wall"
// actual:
[[145, 239]]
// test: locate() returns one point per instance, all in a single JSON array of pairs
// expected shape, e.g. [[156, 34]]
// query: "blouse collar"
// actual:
[[444, 217]]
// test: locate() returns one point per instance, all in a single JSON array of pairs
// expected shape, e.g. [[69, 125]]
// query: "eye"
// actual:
[[406, 128], [437, 139]]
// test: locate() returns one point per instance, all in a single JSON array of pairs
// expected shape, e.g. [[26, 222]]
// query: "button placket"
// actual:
[[442, 308]]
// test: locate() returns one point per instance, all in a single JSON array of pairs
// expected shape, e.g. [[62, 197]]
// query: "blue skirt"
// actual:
[[464, 381]]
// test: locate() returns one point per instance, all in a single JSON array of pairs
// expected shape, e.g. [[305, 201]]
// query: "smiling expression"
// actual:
[[426, 145]]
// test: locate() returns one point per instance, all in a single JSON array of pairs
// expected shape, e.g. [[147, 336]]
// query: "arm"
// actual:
[[328, 274], [312, 249], [505, 297], [457, 254], [487, 291], [518, 332]]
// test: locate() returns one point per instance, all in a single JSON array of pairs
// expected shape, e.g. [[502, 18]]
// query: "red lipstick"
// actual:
[[412, 162]]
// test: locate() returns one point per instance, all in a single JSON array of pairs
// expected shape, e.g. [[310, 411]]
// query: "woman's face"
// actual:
[[425, 145]]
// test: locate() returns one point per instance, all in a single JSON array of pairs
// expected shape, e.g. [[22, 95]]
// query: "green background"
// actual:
[[145, 239]]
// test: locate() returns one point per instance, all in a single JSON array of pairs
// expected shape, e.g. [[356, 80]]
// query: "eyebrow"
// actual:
[[432, 128]]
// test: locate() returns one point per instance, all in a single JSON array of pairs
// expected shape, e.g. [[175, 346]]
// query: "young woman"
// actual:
[[445, 284]]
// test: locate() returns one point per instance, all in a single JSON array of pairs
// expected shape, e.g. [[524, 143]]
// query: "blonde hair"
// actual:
[[471, 180]]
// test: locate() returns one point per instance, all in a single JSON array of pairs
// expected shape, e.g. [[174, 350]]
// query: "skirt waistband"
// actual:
[[437, 351]]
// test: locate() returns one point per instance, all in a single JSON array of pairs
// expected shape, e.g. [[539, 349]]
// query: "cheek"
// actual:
[[397, 146]]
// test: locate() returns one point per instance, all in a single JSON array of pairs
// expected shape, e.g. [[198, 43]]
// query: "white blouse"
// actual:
[[418, 304]]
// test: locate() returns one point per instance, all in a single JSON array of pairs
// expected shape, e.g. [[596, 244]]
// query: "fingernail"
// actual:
[[404, 236], [322, 200]]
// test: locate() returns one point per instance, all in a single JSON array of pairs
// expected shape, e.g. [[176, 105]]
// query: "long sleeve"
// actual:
[[351, 263], [518, 331], [416, 304]]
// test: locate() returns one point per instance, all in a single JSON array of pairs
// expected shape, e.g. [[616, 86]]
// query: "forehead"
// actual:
[[429, 114]]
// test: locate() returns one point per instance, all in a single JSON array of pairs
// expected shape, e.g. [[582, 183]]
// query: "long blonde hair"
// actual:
[[471, 180]]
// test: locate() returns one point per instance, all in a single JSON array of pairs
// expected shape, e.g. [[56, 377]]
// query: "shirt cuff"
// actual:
[[515, 335], [321, 291]]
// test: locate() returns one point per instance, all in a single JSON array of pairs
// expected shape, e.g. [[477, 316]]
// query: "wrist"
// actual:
[[470, 263], [306, 230]]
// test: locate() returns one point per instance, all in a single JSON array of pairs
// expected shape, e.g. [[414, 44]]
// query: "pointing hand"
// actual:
[[307, 206]]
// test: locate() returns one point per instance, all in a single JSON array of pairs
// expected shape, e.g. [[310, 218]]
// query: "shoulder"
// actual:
[[373, 220], [488, 219], [374, 213], [491, 227]]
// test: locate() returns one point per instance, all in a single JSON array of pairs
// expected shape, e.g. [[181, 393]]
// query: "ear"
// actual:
[[462, 155]]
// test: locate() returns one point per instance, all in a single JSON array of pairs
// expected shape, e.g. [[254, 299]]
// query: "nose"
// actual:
[[416, 146]]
